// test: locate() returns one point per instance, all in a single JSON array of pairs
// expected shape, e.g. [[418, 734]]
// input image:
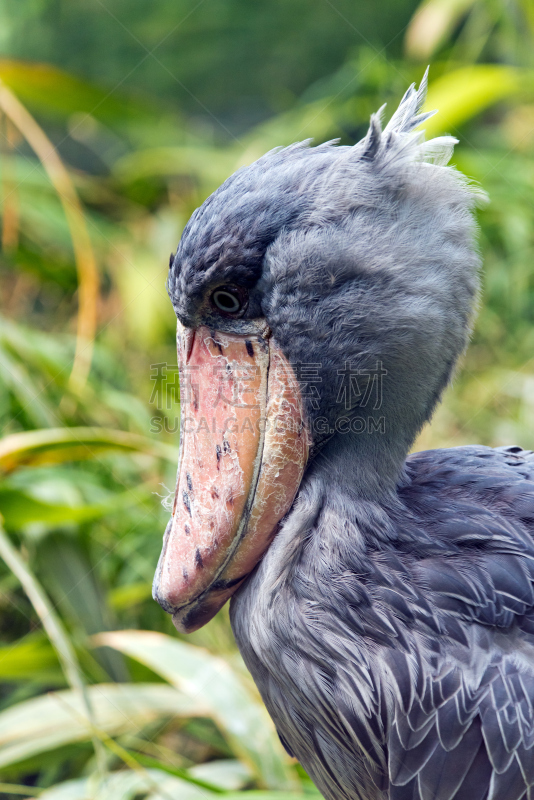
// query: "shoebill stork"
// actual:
[[383, 602]]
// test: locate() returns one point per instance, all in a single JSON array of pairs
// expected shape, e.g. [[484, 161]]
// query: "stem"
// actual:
[[10, 221], [83, 251], [54, 630], [17, 788]]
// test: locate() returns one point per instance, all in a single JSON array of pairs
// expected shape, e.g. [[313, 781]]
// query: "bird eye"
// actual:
[[229, 299]]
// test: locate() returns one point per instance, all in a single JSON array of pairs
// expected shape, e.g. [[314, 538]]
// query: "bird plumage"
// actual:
[[393, 643], [390, 624]]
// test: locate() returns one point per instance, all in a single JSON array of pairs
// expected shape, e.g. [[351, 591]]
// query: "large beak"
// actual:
[[243, 450]]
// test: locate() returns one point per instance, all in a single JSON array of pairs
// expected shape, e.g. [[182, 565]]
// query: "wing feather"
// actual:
[[408, 664]]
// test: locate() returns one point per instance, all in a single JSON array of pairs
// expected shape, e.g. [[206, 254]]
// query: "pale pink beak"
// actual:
[[244, 446]]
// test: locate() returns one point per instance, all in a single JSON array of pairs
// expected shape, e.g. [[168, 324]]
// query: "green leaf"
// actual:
[[13, 788], [197, 673], [128, 595], [67, 572], [56, 445], [55, 92], [31, 658], [154, 783], [227, 773], [216, 777], [40, 352], [20, 509], [431, 24], [77, 789], [59, 718], [464, 93], [15, 376], [210, 165], [183, 774], [259, 795]]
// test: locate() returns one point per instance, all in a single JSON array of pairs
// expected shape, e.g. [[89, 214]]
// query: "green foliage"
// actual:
[[199, 674], [99, 697], [227, 63]]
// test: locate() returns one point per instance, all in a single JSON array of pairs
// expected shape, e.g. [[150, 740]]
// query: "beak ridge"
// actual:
[[243, 451]]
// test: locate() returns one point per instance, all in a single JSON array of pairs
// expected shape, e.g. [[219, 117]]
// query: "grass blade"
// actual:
[[53, 627], [199, 674], [56, 445], [59, 718], [83, 251]]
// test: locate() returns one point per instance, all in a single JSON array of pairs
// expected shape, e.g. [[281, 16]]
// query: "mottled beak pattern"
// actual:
[[244, 446]]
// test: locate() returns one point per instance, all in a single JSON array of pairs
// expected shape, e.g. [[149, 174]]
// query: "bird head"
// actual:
[[323, 296]]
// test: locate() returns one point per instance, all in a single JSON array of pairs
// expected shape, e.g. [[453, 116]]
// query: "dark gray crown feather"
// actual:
[[290, 189], [404, 121]]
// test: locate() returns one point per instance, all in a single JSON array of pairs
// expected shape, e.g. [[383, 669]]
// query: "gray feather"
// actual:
[[390, 625]]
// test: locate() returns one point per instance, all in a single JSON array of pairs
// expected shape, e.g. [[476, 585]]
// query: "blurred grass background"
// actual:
[[116, 121]]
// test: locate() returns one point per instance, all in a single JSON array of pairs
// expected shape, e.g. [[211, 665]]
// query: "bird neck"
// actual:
[[346, 505], [362, 466]]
